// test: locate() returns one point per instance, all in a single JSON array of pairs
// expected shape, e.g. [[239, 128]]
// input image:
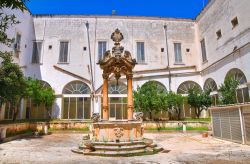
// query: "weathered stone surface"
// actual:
[[117, 131]]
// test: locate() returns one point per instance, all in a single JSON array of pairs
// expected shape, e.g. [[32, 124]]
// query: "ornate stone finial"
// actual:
[[117, 36], [95, 117], [138, 116]]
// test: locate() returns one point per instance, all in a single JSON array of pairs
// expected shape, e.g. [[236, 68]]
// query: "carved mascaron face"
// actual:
[[119, 132]]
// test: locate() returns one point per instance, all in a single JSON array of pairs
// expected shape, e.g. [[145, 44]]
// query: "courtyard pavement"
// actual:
[[180, 148]]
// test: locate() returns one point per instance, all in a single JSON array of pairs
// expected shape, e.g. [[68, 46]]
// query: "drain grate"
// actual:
[[166, 151]]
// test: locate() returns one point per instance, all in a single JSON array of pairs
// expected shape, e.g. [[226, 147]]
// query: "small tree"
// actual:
[[40, 95], [199, 100], [48, 97], [174, 102], [228, 91], [150, 98], [12, 83]]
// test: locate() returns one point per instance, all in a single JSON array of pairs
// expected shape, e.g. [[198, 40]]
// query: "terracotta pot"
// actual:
[[204, 135]]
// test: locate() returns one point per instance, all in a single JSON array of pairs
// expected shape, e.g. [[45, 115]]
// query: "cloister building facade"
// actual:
[[62, 51]]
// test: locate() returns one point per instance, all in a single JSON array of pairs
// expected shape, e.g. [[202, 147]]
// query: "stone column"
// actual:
[[105, 105], [130, 97]]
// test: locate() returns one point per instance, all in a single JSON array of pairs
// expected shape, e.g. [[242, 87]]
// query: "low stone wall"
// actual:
[[14, 128], [64, 125], [8, 129], [173, 124]]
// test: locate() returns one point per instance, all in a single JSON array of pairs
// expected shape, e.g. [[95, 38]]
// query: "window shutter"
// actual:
[[140, 52], [61, 51], [66, 46], [102, 46], [203, 50], [63, 57], [37, 48], [178, 55]]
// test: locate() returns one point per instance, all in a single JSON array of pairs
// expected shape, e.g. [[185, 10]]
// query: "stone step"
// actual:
[[121, 148], [115, 154], [119, 153], [117, 148], [124, 153], [78, 151], [119, 143]]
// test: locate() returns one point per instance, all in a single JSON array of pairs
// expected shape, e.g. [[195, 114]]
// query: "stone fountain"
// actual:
[[117, 138]]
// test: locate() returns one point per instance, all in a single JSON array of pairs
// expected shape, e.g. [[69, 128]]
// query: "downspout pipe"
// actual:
[[90, 58], [91, 67], [168, 66]]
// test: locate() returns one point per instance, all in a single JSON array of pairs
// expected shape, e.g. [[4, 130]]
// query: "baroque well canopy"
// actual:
[[118, 61]]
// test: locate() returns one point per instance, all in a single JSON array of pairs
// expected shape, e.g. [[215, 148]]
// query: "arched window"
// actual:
[[210, 85], [113, 88], [238, 75], [183, 89], [186, 86], [44, 84], [76, 101], [76, 87], [242, 93], [160, 86]]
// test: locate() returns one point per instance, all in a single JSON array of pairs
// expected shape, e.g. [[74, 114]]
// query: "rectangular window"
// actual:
[[18, 42], [76, 108], [177, 52], [140, 52], [203, 50], [36, 54], [64, 50], [102, 47]]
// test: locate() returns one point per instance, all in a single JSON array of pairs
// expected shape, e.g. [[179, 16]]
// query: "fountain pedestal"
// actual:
[[117, 131]]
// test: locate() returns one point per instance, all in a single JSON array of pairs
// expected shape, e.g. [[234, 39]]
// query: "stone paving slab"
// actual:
[[184, 148]]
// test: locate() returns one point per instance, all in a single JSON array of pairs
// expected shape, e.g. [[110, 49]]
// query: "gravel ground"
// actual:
[[180, 148]]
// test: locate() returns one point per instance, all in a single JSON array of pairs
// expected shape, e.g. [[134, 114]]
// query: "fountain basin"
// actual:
[[117, 131]]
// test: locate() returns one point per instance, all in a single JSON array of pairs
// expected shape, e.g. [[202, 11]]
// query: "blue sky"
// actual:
[[161, 8]]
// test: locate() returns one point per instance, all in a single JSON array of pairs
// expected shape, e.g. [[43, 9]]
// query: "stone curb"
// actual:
[[20, 136]]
